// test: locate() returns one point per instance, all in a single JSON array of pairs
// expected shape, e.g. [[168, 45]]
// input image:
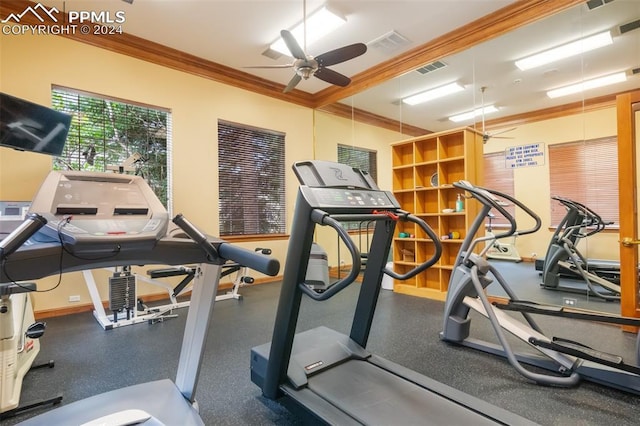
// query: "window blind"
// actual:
[[587, 172], [251, 174], [500, 178], [106, 131], [360, 158]]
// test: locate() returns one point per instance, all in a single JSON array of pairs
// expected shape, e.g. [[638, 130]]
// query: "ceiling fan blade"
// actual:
[[330, 76], [292, 83], [292, 45], [503, 131], [341, 54]]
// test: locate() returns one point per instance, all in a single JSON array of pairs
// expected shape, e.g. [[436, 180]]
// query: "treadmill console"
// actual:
[[349, 199], [99, 212], [329, 185]]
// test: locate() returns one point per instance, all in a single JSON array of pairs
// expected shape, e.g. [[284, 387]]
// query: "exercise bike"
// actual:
[[563, 257], [19, 344], [568, 361], [500, 250]]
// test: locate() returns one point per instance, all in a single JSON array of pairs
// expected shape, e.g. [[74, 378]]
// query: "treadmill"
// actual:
[[327, 377], [81, 220]]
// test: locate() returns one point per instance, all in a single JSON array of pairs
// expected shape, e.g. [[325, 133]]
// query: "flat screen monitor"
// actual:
[[27, 126]]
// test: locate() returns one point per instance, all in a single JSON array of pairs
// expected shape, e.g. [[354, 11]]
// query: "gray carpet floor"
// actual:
[[90, 360]]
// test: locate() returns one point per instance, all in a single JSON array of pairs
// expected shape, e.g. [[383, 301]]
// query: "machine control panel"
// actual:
[[95, 212], [341, 188], [326, 198]]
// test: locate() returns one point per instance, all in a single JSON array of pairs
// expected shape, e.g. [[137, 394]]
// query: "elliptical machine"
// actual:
[[568, 360], [563, 256]]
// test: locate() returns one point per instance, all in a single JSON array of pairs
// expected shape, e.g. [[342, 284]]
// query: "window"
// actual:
[[363, 159], [251, 180], [105, 132], [497, 176], [360, 158], [587, 172]]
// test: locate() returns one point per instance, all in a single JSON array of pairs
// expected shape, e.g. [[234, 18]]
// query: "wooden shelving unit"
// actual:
[[424, 169]]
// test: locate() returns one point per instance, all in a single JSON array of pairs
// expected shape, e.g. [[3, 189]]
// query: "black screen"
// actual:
[[27, 126]]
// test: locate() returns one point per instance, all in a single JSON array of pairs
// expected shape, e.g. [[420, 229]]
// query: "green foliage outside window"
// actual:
[[104, 133]]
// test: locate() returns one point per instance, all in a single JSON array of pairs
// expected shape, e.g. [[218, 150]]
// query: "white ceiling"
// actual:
[[235, 33]]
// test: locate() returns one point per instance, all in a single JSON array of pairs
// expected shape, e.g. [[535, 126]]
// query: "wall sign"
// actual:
[[524, 156]]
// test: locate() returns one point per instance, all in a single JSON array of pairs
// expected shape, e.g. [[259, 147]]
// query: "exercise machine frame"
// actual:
[[564, 259], [328, 377], [45, 247], [19, 338], [568, 360], [159, 313]]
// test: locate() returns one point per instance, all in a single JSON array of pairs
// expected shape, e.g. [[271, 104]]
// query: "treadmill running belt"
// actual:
[[372, 395]]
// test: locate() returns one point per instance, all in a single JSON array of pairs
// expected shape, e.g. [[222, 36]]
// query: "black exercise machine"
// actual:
[[564, 259], [568, 360], [325, 376]]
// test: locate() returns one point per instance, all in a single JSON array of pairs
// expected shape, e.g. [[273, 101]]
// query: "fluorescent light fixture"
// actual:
[[570, 49], [431, 94], [588, 84], [471, 114], [319, 24]]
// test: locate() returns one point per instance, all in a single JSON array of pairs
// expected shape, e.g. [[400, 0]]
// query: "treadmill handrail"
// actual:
[[428, 263], [323, 218], [21, 234], [223, 250]]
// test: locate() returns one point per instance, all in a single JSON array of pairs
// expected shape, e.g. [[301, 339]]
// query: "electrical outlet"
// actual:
[[566, 301], [75, 298]]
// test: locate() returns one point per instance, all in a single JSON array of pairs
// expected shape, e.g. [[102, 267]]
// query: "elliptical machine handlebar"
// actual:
[[491, 200], [591, 218], [488, 197], [485, 197]]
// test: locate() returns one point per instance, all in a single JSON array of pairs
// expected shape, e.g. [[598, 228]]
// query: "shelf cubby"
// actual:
[[402, 155], [426, 202], [426, 150], [403, 178], [453, 155]]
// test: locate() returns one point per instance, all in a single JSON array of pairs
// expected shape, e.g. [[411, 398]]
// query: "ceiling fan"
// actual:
[[486, 135], [306, 65]]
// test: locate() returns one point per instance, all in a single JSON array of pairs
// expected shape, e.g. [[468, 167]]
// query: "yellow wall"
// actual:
[[30, 65], [531, 184]]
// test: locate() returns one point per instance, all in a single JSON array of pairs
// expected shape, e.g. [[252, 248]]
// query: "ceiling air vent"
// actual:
[[630, 26], [635, 71], [436, 65], [389, 42], [593, 4], [273, 54]]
